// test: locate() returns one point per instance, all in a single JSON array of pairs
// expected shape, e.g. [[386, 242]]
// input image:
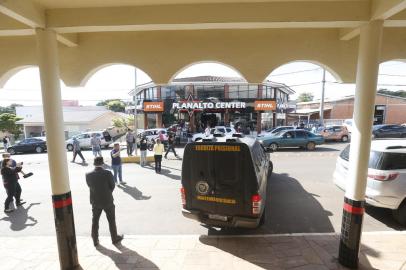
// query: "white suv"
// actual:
[[222, 129], [84, 140], [386, 182]]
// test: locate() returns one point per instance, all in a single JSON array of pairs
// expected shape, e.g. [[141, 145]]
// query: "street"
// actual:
[[303, 199]]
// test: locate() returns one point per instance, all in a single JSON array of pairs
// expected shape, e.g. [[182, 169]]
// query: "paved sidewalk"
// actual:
[[379, 251]]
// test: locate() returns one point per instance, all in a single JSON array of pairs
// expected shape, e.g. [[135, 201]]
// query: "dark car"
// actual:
[[292, 138], [224, 182], [30, 145], [389, 131]]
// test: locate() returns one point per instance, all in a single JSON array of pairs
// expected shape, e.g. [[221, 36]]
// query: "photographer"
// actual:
[[10, 182]]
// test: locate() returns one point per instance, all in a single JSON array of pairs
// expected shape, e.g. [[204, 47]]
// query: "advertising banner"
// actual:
[[154, 106], [265, 105]]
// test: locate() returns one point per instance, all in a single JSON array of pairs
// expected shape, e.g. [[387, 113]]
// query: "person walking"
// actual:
[[95, 142], [178, 135], [143, 148], [130, 139], [116, 164], [158, 151], [10, 181], [171, 146], [5, 145], [77, 150], [101, 185]]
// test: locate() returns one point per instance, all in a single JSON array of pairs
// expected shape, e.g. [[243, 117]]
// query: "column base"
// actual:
[[65, 231], [351, 229]]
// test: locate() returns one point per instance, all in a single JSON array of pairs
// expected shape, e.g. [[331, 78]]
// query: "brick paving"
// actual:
[[299, 252]]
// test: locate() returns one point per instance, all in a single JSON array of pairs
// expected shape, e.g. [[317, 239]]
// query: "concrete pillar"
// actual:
[[159, 120], [259, 122], [145, 120], [47, 49], [366, 81], [226, 91]]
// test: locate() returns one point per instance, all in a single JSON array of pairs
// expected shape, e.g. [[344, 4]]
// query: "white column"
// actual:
[[367, 77], [51, 99], [354, 201]]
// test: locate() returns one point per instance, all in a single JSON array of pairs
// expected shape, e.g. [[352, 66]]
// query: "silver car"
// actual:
[[386, 182]]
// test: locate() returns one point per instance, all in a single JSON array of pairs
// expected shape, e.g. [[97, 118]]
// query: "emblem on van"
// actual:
[[202, 187]]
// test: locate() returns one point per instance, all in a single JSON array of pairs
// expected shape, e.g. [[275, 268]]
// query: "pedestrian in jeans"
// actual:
[[143, 148], [95, 142], [101, 185], [77, 150], [158, 151], [171, 146], [130, 138], [116, 164], [9, 175]]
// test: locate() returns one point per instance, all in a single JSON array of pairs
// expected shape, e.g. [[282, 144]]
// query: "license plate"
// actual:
[[218, 217]]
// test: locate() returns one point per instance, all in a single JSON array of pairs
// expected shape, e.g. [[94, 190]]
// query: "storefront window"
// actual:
[[243, 91], [233, 91], [209, 91], [253, 91]]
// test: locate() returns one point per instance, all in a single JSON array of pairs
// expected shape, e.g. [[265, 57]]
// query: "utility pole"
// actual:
[[323, 88], [135, 113]]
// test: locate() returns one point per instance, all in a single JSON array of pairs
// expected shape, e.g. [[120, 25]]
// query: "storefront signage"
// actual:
[[154, 106], [265, 105], [197, 105]]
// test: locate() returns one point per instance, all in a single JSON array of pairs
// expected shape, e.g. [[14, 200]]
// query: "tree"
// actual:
[[116, 106], [8, 123], [305, 97], [9, 109], [399, 93]]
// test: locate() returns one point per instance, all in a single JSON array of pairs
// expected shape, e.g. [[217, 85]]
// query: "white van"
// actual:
[[84, 140]]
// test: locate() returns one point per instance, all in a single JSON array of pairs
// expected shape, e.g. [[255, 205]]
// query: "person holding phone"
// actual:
[[10, 182]]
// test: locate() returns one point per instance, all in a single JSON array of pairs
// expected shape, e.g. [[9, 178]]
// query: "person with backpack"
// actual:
[[77, 150], [171, 146], [95, 142]]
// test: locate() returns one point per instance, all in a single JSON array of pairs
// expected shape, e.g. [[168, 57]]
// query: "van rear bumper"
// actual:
[[235, 221]]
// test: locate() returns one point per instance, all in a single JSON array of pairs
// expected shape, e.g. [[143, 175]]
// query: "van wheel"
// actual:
[[273, 146], [400, 213], [311, 146], [344, 138], [69, 147]]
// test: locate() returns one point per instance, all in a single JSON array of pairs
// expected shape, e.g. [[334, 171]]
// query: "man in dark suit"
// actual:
[[101, 185]]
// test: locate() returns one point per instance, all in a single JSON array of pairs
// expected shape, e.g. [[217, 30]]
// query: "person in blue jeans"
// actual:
[[116, 164]]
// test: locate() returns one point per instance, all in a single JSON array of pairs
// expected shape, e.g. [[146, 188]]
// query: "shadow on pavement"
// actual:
[[133, 192], [127, 258], [165, 172], [18, 219], [291, 209], [385, 216]]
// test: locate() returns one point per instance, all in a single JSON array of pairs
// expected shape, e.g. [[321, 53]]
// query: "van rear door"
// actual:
[[219, 178]]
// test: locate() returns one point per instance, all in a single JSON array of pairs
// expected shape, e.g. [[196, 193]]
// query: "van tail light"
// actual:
[[383, 176], [256, 204], [183, 196]]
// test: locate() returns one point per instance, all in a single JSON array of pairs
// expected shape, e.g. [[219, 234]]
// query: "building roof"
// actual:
[[345, 98], [308, 111], [212, 80], [71, 117]]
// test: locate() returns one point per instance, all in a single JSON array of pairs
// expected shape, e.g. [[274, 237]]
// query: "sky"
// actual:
[[116, 81]]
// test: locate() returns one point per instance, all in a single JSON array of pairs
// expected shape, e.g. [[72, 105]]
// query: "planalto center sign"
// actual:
[[198, 105]]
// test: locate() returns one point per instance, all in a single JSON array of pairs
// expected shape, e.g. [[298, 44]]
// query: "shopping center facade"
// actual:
[[210, 100]]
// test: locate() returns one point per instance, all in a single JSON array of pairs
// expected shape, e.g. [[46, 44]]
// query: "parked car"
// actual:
[[348, 124], [224, 182], [275, 130], [29, 145], [153, 134], [217, 129], [388, 131], [292, 138], [335, 133], [84, 140], [386, 180]]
